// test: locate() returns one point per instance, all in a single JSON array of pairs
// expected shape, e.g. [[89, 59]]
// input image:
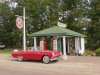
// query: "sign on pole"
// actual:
[[19, 22]]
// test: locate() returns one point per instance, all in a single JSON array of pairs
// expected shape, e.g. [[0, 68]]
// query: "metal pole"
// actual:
[[24, 35]]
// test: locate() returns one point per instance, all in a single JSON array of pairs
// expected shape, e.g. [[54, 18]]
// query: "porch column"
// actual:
[[68, 45], [35, 44], [64, 48], [76, 45], [82, 45]]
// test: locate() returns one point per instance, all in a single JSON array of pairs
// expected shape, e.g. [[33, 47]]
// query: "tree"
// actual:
[[94, 29], [9, 34], [79, 15]]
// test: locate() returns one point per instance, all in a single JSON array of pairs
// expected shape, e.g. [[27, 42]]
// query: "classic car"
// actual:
[[45, 56]]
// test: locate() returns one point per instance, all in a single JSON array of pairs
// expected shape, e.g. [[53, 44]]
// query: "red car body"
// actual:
[[36, 55]]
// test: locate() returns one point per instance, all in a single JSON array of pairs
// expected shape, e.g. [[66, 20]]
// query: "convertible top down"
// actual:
[[45, 56]]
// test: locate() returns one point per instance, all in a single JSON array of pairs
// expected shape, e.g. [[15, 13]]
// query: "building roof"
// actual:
[[57, 31]]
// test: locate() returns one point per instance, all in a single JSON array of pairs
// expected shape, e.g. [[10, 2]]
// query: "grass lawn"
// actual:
[[5, 51]]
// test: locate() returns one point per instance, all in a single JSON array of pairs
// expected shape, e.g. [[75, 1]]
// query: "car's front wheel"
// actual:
[[46, 59]]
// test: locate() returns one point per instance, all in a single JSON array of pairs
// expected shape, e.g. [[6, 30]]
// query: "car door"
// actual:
[[33, 55], [29, 55], [37, 55]]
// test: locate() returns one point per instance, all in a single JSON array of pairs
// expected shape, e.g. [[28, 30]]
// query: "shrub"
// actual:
[[89, 53], [98, 52]]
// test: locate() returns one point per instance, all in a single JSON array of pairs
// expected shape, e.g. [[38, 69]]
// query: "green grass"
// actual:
[[5, 51]]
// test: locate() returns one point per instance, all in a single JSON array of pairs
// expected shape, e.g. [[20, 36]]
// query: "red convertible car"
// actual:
[[45, 56]]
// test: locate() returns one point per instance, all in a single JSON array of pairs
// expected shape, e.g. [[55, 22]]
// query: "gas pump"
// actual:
[[55, 44], [42, 44]]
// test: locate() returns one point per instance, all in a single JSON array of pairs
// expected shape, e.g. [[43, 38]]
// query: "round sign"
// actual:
[[19, 22]]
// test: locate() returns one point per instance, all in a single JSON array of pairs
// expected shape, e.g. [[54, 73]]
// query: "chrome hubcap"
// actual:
[[46, 59]]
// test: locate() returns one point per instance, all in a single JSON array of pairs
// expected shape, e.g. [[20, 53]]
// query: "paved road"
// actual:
[[73, 66]]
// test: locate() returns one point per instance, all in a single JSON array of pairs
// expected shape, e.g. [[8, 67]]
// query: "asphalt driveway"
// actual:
[[75, 65]]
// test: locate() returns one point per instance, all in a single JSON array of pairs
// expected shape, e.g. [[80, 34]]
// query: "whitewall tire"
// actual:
[[46, 59]]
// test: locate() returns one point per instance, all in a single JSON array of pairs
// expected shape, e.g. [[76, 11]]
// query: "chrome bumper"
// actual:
[[55, 58]]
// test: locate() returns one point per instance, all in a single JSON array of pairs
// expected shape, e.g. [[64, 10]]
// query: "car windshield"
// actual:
[[37, 49]]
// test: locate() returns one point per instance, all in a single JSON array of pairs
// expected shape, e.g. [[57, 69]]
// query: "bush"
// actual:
[[98, 52], [89, 53]]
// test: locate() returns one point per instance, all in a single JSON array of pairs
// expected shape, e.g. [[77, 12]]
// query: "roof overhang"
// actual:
[[57, 31]]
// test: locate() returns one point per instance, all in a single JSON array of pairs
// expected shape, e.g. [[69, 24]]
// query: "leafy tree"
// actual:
[[79, 15], [94, 29], [8, 27]]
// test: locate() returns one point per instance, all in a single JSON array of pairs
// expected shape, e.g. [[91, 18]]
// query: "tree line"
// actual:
[[82, 16]]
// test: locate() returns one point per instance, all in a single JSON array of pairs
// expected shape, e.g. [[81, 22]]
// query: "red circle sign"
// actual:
[[19, 22]]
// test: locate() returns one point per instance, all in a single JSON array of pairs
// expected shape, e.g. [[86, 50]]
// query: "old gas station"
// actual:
[[64, 40]]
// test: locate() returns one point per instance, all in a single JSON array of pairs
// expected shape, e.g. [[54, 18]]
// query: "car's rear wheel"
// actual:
[[46, 59], [20, 58]]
